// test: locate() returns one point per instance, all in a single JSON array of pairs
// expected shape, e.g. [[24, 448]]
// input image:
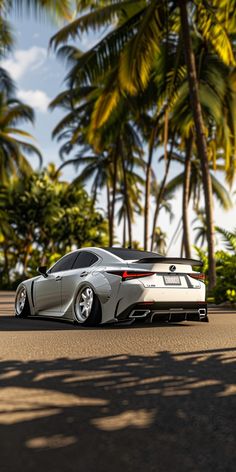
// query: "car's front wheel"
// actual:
[[22, 308], [87, 307]]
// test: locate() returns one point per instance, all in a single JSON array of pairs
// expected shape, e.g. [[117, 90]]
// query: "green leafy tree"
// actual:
[[43, 219]]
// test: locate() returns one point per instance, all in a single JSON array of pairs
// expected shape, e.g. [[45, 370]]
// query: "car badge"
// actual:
[[172, 268]]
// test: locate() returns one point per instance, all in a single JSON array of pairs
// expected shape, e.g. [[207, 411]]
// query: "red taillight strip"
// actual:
[[126, 275], [132, 275], [197, 276]]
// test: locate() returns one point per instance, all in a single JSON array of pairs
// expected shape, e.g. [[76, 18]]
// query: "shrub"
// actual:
[[225, 289]]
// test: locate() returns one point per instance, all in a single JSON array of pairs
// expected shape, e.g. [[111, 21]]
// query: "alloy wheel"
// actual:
[[83, 304], [21, 300]]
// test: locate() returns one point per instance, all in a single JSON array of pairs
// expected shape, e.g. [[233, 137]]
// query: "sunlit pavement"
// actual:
[[139, 398]]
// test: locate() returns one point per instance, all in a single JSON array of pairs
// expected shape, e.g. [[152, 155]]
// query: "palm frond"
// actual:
[[229, 238], [93, 64], [221, 194], [57, 9], [16, 111], [103, 16], [6, 83], [175, 183], [136, 61], [213, 30], [30, 149], [106, 103]]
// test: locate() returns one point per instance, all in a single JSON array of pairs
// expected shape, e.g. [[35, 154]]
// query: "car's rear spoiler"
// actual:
[[169, 260]]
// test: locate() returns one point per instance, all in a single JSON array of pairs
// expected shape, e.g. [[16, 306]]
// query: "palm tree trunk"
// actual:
[[28, 243], [186, 193], [161, 191], [200, 137], [113, 202], [6, 265], [126, 195], [148, 186], [175, 235], [124, 230], [108, 211]]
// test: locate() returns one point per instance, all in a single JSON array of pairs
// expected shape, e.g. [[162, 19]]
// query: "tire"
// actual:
[[22, 308], [87, 307]]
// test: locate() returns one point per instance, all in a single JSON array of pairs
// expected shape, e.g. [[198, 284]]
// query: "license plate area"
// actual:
[[172, 280]]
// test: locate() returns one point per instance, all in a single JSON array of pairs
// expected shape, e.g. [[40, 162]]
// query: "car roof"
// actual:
[[117, 254]]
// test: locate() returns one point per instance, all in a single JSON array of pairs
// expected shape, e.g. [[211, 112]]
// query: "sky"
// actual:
[[39, 76]]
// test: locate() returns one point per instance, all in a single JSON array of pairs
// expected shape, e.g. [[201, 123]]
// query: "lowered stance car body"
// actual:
[[103, 285]]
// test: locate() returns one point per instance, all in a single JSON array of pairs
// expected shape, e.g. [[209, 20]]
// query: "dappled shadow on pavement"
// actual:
[[128, 412]]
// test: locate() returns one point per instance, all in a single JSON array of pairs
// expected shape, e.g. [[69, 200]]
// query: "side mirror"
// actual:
[[43, 271]]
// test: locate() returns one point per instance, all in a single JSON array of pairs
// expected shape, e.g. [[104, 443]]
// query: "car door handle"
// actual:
[[58, 277], [83, 273]]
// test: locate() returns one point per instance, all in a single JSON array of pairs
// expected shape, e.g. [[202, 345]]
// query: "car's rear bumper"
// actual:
[[165, 311]]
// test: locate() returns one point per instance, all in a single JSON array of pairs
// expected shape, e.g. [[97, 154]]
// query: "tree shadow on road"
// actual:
[[169, 412]]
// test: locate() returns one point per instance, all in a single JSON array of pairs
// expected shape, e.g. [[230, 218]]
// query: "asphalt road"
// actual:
[[141, 398]]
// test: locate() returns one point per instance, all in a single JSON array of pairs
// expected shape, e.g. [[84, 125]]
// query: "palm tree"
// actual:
[[99, 168], [133, 44], [194, 191], [134, 189], [201, 236], [218, 101], [13, 150], [162, 187], [111, 97], [162, 200], [116, 147], [13, 111], [6, 234], [160, 243]]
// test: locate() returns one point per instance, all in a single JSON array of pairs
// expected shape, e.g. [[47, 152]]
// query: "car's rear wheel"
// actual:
[[22, 308], [87, 307]]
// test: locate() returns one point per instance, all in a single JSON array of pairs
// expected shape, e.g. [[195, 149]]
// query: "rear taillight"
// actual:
[[201, 277], [128, 274]]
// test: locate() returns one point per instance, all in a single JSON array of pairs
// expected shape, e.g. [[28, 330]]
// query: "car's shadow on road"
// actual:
[[121, 412], [10, 323]]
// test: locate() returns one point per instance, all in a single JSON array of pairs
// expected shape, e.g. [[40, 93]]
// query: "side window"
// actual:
[[65, 263], [85, 259]]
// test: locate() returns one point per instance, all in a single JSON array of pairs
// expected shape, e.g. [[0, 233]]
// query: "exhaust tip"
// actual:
[[139, 313], [202, 313]]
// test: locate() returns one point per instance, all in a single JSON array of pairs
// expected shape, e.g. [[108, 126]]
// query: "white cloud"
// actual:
[[23, 60], [35, 98]]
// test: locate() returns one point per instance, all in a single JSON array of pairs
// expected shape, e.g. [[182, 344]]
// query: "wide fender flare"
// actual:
[[100, 285]]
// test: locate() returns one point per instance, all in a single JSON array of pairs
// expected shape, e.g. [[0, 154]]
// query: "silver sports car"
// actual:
[[110, 285]]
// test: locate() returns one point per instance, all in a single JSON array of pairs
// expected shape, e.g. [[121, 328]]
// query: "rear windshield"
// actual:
[[131, 254]]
